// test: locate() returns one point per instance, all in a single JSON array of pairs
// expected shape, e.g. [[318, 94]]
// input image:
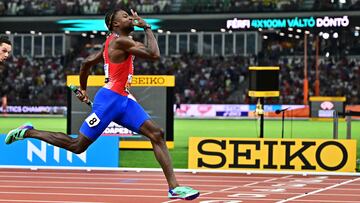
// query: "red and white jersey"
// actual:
[[118, 76]]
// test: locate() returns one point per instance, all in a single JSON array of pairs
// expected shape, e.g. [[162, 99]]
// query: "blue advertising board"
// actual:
[[104, 152]]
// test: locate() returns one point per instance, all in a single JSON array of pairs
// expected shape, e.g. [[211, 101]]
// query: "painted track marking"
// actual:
[[43, 201], [317, 191]]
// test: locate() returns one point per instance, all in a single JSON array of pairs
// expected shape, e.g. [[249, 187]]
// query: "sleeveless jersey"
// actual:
[[118, 76]]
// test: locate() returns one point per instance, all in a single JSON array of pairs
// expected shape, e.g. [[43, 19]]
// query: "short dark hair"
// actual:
[[109, 16], [5, 40]]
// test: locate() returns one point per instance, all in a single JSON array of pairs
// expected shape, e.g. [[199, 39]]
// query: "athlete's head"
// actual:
[[119, 19], [5, 48]]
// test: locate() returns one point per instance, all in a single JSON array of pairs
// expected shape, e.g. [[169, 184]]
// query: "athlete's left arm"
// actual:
[[88, 62], [91, 60]]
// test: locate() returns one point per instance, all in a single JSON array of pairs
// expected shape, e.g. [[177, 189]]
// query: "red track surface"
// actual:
[[53, 186]]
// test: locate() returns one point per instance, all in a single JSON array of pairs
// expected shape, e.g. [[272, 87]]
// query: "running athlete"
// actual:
[[113, 101], [5, 49]]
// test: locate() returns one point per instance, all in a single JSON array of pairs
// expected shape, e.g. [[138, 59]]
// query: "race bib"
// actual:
[[92, 120]]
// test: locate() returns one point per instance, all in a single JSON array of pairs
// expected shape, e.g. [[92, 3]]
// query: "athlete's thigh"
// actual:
[[133, 116], [103, 113]]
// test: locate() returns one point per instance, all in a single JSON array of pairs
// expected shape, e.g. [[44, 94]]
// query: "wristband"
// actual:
[[147, 26]]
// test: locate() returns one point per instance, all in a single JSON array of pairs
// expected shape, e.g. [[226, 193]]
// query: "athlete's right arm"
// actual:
[[88, 62], [150, 51], [137, 48]]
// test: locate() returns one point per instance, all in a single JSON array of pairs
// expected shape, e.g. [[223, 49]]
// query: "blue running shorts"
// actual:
[[110, 106]]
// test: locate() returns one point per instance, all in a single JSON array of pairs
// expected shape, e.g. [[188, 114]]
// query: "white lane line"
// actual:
[[42, 201], [317, 191], [82, 194], [139, 178], [265, 181], [132, 173], [322, 201], [105, 183], [250, 184]]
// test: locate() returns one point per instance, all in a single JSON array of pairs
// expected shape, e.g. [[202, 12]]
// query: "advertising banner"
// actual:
[[272, 154], [34, 109], [225, 110], [32, 152]]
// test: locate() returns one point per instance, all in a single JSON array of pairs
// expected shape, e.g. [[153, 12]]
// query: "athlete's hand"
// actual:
[[138, 21], [83, 96]]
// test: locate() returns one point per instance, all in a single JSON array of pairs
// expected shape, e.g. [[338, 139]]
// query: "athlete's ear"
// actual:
[[115, 24]]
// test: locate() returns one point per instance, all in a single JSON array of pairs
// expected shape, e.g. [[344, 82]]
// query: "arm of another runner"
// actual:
[[149, 51], [90, 61]]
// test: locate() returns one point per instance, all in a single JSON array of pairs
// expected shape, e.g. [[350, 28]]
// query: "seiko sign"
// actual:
[[273, 154]]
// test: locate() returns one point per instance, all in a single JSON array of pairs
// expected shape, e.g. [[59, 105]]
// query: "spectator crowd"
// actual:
[[199, 79]]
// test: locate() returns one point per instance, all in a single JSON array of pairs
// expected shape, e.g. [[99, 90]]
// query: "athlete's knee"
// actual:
[[78, 146], [79, 149], [157, 135]]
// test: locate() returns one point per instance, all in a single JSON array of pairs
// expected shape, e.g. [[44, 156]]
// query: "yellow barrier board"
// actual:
[[138, 80], [272, 154], [264, 93]]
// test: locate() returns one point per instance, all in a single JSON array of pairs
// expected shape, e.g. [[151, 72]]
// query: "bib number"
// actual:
[[92, 120]]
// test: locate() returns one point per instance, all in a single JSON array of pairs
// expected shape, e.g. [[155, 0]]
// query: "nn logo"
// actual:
[[49, 153]]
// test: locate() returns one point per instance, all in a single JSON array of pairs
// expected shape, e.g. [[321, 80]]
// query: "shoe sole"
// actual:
[[191, 197], [7, 138]]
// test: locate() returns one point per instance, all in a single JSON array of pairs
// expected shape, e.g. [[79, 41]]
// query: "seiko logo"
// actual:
[[149, 80]]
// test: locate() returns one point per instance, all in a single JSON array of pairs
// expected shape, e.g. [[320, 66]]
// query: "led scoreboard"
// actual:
[[324, 107]]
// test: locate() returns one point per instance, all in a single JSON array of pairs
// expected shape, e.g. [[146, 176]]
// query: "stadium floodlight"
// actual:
[[335, 35], [192, 30], [326, 35]]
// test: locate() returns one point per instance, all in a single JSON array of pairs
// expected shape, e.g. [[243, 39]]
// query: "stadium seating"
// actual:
[[199, 79]]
